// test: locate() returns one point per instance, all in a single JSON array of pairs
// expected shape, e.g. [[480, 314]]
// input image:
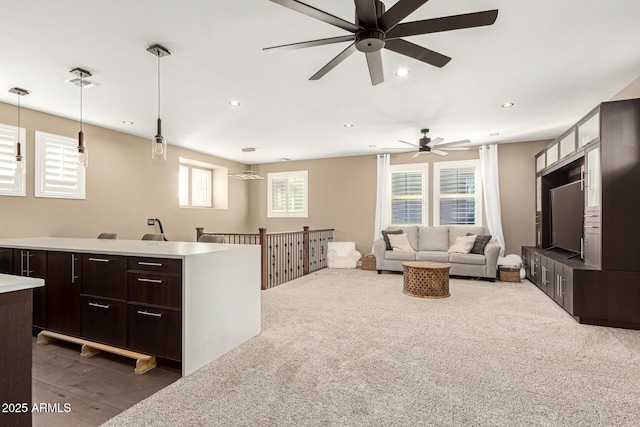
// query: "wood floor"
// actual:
[[95, 389]]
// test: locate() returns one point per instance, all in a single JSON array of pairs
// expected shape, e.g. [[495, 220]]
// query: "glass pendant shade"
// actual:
[[159, 145]]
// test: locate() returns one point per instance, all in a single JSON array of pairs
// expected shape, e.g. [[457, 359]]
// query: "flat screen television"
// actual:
[[567, 216]]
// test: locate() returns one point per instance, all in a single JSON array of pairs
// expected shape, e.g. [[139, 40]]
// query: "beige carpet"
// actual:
[[348, 348]]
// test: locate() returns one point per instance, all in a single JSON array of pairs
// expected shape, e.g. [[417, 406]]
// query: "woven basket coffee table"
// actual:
[[426, 279]]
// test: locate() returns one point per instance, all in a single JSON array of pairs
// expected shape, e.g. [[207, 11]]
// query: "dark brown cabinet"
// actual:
[[154, 299], [104, 275], [602, 285], [63, 292], [104, 320], [6, 260], [33, 263]]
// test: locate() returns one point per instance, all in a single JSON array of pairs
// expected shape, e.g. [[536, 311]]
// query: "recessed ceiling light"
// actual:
[[127, 122], [285, 159], [234, 103], [508, 105], [348, 125], [494, 134], [402, 72], [372, 146]]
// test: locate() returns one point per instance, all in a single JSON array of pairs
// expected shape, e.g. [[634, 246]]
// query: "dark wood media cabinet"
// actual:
[[602, 151]]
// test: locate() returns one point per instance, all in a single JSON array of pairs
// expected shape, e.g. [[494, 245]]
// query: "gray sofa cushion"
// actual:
[[456, 231], [480, 243], [411, 231], [473, 259], [433, 238], [400, 255], [433, 256]]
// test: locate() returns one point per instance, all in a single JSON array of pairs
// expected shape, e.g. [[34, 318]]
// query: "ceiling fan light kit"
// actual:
[[376, 28]]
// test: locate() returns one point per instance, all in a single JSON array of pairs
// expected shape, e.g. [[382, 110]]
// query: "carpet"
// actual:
[[348, 348]]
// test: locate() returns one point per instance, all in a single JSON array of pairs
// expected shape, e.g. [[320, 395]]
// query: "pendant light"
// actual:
[[158, 143], [19, 166], [83, 151]]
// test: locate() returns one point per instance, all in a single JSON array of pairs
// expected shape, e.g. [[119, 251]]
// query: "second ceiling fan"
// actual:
[[427, 145], [375, 29]]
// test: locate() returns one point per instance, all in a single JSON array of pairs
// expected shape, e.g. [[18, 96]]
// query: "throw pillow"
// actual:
[[481, 241], [400, 242], [385, 234], [462, 245]]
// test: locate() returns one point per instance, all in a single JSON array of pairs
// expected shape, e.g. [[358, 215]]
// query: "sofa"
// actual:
[[446, 244]]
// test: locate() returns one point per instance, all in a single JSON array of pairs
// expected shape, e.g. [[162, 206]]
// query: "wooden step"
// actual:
[[144, 362]]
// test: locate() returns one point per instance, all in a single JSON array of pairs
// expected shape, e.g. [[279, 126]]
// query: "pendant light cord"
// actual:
[[81, 87], [158, 86]]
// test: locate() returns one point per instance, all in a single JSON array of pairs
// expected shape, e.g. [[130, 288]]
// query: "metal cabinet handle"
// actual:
[[591, 226], [146, 313], [95, 304], [140, 279], [73, 268], [98, 260], [544, 275], [153, 264]]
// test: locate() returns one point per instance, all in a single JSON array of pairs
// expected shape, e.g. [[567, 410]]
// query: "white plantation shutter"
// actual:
[[58, 173], [200, 187], [406, 197], [458, 192], [12, 182], [288, 194]]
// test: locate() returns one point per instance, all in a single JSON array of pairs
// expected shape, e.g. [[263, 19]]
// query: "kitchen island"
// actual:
[[15, 348], [182, 301]]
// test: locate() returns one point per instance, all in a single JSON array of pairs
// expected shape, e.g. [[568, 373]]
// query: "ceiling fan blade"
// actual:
[[311, 43], [366, 13], [458, 148], [447, 23], [335, 61], [311, 11], [397, 13], [409, 143], [420, 53], [452, 143], [374, 62], [434, 141], [421, 153], [439, 153]]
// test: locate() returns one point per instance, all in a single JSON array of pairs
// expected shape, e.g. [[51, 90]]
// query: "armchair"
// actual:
[[342, 255]]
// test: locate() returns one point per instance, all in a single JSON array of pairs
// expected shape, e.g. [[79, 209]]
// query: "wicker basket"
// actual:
[[369, 262], [509, 274]]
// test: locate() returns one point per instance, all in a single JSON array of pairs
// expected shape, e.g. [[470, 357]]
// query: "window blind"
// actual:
[[457, 196], [200, 187], [406, 197], [288, 194], [58, 173]]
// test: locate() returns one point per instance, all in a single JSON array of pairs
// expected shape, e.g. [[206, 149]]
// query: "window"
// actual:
[[287, 194], [202, 185], [409, 194], [12, 181], [58, 173], [457, 193]]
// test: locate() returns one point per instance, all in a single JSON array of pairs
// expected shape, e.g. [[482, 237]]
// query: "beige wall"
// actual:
[[124, 187], [342, 193]]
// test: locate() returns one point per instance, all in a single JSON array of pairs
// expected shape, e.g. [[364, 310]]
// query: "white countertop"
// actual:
[[11, 283], [116, 246]]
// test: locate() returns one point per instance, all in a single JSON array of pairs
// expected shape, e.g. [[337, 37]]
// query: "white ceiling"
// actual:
[[554, 59]]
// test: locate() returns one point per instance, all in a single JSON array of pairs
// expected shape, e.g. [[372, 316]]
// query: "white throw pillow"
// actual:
[[399, 242], [462, 245]]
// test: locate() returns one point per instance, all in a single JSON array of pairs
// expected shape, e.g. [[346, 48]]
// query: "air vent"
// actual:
[[86, 84]]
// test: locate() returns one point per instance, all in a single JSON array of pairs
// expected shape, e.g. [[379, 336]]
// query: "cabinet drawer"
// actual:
[[104, 275], [104, 321], [155, 331], [156, 265], [154, 289]]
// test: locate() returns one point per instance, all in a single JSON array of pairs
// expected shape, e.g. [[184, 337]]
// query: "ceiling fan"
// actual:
[[432, 146], [375, 29]]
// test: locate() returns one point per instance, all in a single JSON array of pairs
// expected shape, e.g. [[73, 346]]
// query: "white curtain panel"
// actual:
[[383, 195], [491, 187]]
